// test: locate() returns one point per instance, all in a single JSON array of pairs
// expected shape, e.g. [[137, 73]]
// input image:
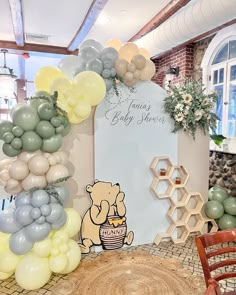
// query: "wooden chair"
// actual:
[[221, 238]]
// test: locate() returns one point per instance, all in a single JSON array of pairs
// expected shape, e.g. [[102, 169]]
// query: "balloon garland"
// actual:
[[36, 233], [221, 207]]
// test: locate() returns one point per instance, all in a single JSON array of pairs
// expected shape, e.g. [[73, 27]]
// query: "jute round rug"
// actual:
[[129, 273]]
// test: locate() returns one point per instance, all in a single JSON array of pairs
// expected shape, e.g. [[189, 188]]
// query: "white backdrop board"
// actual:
[[130, 130]]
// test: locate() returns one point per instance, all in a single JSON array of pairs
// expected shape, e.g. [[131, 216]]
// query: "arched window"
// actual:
[[219, 74], [223, 81]]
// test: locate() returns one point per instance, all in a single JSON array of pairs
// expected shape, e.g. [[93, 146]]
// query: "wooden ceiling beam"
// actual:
[[171, 8], [17, 21], [36, 48], [89, 20]]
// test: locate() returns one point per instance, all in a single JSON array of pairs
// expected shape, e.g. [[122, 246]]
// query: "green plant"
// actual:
[[191, 107]]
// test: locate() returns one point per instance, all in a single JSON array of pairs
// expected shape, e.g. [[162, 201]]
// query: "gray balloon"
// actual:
[[109, 83], [8, 223], [95, 66], [39, 198], [23, 215], [61, 221], [35, 213], [45, 209], [106, 73], [55, 213], [113, 72], [19, 244], [93, 43], [63, 193], [89, 53], [22, 198], [108, 63], [109, 52], [37, 232], [41, 220]]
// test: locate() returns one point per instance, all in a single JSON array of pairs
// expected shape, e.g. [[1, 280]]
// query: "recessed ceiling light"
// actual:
[[103, 20]]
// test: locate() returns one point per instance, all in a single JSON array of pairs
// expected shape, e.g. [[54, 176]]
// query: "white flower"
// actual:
[[179, 106], [179, 117], [187, 98], [198, 114], [205, 102]]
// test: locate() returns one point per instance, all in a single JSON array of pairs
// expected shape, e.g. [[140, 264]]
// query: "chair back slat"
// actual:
[[220, 251], [222, 263]]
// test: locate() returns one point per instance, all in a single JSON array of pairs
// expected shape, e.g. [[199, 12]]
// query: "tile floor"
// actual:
[[186, 253]]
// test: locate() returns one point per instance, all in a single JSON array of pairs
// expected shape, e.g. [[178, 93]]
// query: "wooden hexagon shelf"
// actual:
[[161, 166], [162, 188], [194, 202], [179, 196], [194, 222], [179, 176], [179, 234], [178, 215]]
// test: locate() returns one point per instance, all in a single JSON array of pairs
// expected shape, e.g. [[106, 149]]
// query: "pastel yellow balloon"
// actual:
[[73, 256], [42, 248], [58, 263], [64, 105], [61, 85], [61, 236], [5, 275], [18, 170], [74, 119], [128, 51], [83, 109], [8, 261], [32, 272], [45, 76], [148, 71], [4, 241], [115, 43], [73, 222], [91, 86], [38, 165]]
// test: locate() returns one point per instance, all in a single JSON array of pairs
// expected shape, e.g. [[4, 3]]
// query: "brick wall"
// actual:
[[182, 57]]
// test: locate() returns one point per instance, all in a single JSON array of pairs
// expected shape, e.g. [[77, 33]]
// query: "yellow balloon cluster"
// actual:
[[56, 254], [75, 96]]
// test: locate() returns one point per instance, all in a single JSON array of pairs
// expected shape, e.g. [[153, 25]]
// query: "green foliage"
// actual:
[[191, 107]]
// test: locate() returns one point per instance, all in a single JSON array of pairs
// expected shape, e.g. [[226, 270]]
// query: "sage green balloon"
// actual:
[[45, 129], [67, 128], [31, 141], [5, 126], [16, 143], [56, 121], [217, 193], [10, 151], [230, 205], [17, 131], [8, 137], [52, 144], [214, 209], [26, 117], [60, 129], [227, 221]]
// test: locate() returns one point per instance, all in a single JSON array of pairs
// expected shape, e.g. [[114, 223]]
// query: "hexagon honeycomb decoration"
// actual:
[[185, 212]]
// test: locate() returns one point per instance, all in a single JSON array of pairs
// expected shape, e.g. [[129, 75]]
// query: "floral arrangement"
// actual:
[[191, 107]]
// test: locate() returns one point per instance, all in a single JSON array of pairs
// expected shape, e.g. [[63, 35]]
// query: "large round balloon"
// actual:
[[93, 43], [26, 117], [19, 243], [148, 71], [45, 77], [217, 193], [18, 170], [91, 86], [230, 205], [52, 144], [214, 209], [128, 51], [227, 221], [5, 126], [32, 272], [31, 141], [70, 66]]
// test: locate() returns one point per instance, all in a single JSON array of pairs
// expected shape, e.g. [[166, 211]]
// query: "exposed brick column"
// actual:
[[21, 92], [181, 57]]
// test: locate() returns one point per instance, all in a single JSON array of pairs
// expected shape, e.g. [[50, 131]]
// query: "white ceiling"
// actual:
[[60, 20]]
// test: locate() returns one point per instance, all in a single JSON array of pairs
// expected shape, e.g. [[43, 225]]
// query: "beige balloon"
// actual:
[[149, 70], [128, 76], [128, 51], [139, 61], [26, 156], [14, 190], [137, 74], [4, 175], [38, 165], [57, 171], [4, 164], [62, 157], [144, 52], [131, 67], [12, 183], [53, 160], [18, 170], [34, 181], [130, 82], [121, 66], [115, 43]]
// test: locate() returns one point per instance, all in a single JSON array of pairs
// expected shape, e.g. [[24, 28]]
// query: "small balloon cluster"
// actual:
[[221, 207], [36, 231], [38, 125], [82, 81]]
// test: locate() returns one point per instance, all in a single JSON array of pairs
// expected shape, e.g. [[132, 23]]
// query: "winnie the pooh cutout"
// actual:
[[104, 223]]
